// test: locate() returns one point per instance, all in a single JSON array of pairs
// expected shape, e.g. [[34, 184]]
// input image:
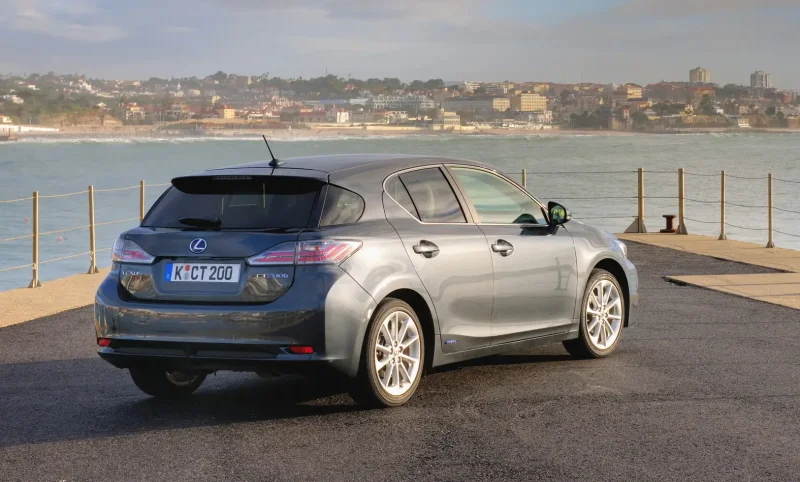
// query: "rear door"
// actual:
[[204, 228], [535, 267], [448, 251]]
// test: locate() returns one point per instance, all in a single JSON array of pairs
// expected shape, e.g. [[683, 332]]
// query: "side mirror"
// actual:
[[558, 214]]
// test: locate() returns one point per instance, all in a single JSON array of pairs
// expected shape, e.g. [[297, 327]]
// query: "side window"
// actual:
[[341, 207], [496, 200], [432, 196], [399, 193]]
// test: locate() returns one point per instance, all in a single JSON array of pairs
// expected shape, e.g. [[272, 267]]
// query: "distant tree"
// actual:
[[434, 84], [416, 85], [706, 106], [640, 119], [771, 111], [480, 91], [220, 76]]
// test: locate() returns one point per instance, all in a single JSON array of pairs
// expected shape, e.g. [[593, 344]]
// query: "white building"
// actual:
[[338, 116], [496, 89], [409, 102]]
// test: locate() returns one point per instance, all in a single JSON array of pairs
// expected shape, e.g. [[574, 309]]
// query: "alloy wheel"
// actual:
[[603, 314], [397, 353]]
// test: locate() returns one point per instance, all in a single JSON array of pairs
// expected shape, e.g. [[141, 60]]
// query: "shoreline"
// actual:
[[145, 132]]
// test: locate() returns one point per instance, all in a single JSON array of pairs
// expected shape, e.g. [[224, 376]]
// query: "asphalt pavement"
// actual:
[[705, 386]]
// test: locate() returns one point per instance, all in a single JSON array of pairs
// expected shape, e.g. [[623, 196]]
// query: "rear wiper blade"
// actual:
[[201, 222]]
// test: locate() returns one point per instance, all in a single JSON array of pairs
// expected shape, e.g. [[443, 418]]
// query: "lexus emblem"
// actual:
[[198, 245]]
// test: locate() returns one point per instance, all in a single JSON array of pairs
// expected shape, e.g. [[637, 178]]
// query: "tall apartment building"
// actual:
[[700, 75], [761, 80], [528, 102]]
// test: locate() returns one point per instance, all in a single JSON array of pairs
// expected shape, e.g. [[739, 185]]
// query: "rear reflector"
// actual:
[[329, 251], [301, 350], [103, 342]]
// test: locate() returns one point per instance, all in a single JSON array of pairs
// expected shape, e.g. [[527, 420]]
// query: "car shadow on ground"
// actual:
[[77, 399]]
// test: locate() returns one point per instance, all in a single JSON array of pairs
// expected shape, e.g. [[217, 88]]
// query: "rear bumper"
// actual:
[[326, 310], [208, 357]]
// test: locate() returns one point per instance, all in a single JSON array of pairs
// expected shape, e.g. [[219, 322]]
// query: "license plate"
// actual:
[[202, 273]]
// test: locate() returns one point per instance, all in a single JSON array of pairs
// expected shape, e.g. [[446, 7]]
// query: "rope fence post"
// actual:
[[770, 242], [638, 225], [681, 204], [92, 245], [525, 178], [35, 283], [141, 201], [722, 235]]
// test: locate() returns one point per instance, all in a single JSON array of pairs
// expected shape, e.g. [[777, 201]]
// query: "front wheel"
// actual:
[[166, 384], [393, 356], [602, 317]]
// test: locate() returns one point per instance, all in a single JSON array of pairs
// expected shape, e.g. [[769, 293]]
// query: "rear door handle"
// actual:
[[503, 247], [426, 248]]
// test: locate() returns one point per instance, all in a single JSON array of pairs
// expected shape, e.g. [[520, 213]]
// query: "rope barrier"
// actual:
[[16, 267], [16, 200], [170, 184], [700, 174], [605, 217], [746, 205], [553, 173], [116, 222], [64, 230], [117, 189], [701, 201], [16, 237], [65, 257], [786, 210], [786, 180], [587, 198], [745, 177], [787, 234], [748, 229], [658, 197], [63, 195], [698, 221]]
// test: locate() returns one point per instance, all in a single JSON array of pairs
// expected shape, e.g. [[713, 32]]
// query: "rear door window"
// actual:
[[432, 196], [341, 207], [236, 202], [399, 193]]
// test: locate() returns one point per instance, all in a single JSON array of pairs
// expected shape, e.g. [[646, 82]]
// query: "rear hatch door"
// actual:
[[204, 228]]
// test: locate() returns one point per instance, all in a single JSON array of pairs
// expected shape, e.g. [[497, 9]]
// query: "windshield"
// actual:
[[229, 202]]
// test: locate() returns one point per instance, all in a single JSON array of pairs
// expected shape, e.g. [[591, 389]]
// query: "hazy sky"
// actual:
[[559, 40]]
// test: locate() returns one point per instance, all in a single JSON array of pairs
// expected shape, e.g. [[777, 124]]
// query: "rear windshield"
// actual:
[[235, 202]]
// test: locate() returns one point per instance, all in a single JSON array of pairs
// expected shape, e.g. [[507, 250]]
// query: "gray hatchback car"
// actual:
[[377, 266]]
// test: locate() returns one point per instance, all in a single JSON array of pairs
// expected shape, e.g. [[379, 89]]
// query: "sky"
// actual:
[[553, 40]]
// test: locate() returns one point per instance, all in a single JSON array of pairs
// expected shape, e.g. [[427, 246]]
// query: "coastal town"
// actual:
[[224, 102]]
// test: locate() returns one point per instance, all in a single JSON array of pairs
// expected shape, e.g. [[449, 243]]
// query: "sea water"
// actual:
[[593, 175]]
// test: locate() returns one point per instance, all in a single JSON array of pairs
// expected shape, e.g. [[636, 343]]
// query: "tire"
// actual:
[[590, 342], [162, 384], [371, 388]]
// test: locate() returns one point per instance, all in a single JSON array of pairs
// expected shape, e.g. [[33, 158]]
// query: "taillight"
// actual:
[[330, 251], [126, 251], [280, 254], [324, 252]]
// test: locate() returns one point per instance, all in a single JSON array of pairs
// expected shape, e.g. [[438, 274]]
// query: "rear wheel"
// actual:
[[166, 384], [602, 317], [393, 356]]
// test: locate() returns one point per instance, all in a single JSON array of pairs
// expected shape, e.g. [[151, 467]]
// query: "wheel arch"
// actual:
[[425, 315], [613, 267]]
